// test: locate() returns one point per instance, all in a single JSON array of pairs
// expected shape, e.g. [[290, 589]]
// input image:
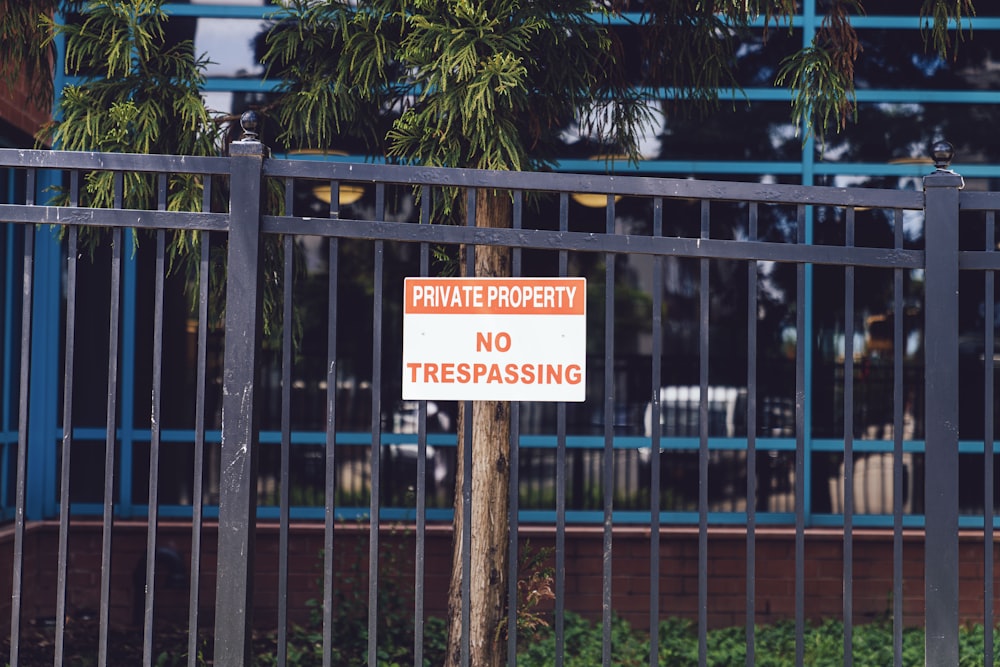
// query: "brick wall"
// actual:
[[775, 588], [22, 116]]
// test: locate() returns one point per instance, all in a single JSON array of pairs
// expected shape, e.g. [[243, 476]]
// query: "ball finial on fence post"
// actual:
[[942, 152], [249, 121]]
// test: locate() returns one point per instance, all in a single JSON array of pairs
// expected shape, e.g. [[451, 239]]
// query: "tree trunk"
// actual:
[[490, 479]]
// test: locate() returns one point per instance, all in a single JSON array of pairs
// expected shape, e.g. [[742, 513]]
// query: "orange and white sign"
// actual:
[[508, 339]]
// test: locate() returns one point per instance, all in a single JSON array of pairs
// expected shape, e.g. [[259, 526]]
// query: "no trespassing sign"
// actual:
[[509, 339]]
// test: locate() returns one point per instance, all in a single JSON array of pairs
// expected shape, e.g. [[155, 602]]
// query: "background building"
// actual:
[[907, 98]]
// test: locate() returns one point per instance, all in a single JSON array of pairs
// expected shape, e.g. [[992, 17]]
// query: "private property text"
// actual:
[[490, 297]]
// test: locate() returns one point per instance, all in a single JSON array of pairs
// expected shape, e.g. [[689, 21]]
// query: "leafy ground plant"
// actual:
[[774, 645], [678, 646]]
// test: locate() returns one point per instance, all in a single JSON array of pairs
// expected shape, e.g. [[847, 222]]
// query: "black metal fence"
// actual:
[[751, 412]]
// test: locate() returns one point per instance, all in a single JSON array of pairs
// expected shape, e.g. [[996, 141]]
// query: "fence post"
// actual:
[[238, 481], [941, 204]]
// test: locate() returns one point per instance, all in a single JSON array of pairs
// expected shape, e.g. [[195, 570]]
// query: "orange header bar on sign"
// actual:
[[495, 296]]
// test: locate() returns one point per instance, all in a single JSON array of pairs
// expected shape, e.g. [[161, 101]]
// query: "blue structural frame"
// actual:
[[45, 431], [8, 424]]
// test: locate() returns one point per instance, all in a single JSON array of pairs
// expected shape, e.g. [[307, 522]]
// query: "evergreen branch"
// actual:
[[821, 91], [821, 76], [936, 17]]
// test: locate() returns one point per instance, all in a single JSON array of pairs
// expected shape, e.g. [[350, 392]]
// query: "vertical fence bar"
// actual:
[[801, 354], [703, 351], [608, 462], [238, 482], [376, 445], [513, 490], [67, 419], [286, 436], [420, 554], [199, 435], [941, 382], [330, 458], [897, 459], [989, 336], [656, 353], [20, 484], [109, 445], [751, 571], [154, 432], [848, 491], [419, 564], [560, 619]]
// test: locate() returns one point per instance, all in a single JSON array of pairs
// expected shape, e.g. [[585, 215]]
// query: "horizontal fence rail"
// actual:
[[777, 380]]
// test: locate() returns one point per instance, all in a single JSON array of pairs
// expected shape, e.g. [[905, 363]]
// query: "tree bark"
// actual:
[[489, 516]]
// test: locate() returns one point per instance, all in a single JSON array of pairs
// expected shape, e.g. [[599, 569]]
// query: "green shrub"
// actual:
[[349, 628], [583, 644], [774, 645]]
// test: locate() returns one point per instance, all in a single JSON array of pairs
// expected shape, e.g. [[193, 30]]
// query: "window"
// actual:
[[907, 98]]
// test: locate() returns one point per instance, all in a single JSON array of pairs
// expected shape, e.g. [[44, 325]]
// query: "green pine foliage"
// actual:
[[937, 17], [494, 85], [449, 82], [821, 75], [312, 51], [454, 82], [140, 94]]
